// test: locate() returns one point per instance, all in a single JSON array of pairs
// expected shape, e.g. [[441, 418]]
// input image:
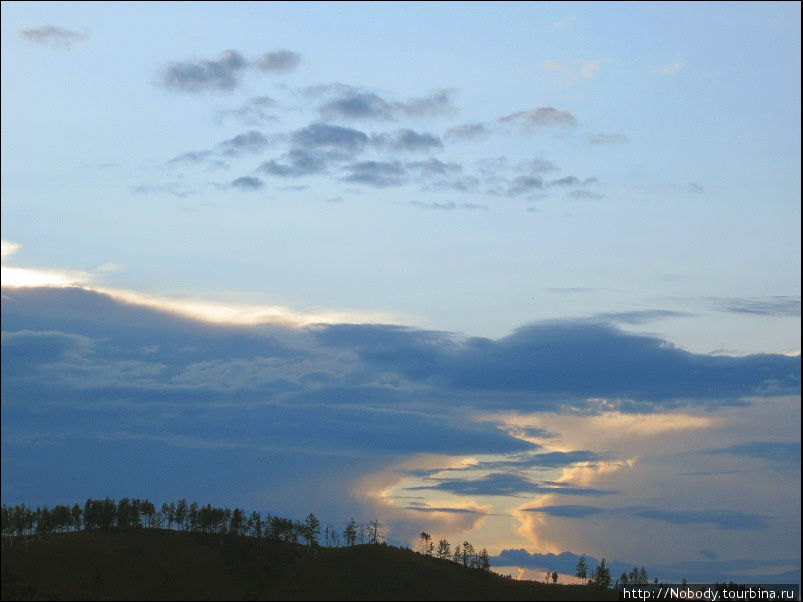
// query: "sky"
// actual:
[[526, 274]]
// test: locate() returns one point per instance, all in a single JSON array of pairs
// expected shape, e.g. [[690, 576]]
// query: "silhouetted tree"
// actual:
[[554, 577], [444, 549], [376, 532], [181, 513], [601, 576], [582, 570], [425, 543], [350, 533], [312, 529], [485, 560]]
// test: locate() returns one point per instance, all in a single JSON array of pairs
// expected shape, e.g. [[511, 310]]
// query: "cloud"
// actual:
[[376, 173], [722, 519], [639, 316], [524, 184], [584, 195], [539, 117], [353, 103], [178, 189], [467, 131], [607, 139], [670, 69], [330, 137], [572, 74], [536, 166], [443, 509], [252, 112], [53, 37], [447, 206], [191, 157], [785, 454], [407, 141], [566, 360], [9, 248], [779, 305], [572, 181], [197, 76], [433, 167], [248, 183], [296, 163], [505, 484], [224, 73], [279, 61], [251, 141]]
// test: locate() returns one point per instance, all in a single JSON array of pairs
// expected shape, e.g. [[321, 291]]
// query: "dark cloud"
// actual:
[[348, 102], [524, 185], [53, 37], [467, 131], [506, 484], [607, 139], [778, 305], [376, 173], [552, 366], [723, 519], [640, 316], [444, 509], [539, 117], [785, 454], [251, 141], [407, 140], [572, 181], [280, 61], [568, 360], [330, 138], [567, 511], [357, 105], [197, 76], [248, 183], [296, 163]]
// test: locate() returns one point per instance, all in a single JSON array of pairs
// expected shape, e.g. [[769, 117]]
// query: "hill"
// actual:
[[153, 564]]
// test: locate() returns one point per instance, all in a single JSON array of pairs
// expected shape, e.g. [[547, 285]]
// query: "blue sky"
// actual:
[[526, 273]]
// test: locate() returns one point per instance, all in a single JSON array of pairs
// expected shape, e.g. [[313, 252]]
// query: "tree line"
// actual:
[[601, 576], [135, 513], [465, 554]]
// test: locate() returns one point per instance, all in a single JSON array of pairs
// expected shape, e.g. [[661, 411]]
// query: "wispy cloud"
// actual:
[[50, 36], [539, 117], [670, 69], [778, 305], [607, 138]]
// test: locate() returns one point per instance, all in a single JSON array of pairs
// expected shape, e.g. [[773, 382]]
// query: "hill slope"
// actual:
[[151, 564]]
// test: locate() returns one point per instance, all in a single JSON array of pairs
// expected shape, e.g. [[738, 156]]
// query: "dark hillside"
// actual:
[[151, 564]]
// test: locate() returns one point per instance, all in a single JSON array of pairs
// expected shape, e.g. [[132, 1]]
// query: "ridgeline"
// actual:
[[161, 564]]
